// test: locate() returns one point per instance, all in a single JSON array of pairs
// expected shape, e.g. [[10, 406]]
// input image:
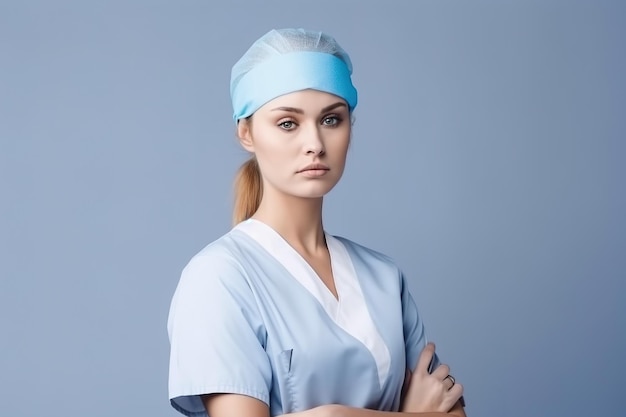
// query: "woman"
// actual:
[[277, 317]]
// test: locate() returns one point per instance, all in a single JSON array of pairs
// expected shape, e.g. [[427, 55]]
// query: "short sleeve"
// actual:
[[216, 335], [414, 333]]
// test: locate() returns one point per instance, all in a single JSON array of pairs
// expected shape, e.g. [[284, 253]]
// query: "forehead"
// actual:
[[309, 101]]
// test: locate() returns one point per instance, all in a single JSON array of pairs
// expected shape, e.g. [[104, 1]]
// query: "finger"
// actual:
[[448, 382], [441, 372], [456, 392], [424, 359], [407, 376], [451, 398], [407, 382]]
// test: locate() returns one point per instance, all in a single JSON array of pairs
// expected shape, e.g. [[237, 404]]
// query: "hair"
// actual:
[[248, 187], [248, 190]]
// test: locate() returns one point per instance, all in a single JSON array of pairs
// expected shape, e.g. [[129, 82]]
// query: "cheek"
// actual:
[[275, 153], [340, 144], [266, 142]]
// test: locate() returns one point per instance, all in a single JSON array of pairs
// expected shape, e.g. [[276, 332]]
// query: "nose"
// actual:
[[314, 141]]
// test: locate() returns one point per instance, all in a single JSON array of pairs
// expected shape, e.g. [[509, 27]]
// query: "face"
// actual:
[[300, 141]]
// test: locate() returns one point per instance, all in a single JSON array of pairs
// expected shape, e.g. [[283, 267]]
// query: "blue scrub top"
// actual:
[[249, 316]]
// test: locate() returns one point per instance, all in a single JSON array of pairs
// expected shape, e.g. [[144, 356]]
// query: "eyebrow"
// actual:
[[300, 111]]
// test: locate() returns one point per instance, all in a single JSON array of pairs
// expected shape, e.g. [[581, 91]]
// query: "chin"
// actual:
[[308, 189], [314, 192]]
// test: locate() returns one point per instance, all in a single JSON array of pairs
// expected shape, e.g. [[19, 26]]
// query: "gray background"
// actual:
[[487, 160]]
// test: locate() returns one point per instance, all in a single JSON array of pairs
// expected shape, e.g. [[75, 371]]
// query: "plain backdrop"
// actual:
[[487, 160]]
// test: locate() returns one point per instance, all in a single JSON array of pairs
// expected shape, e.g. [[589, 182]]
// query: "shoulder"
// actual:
[[214, 280], [368, 255], [216, 253], [217, 262]]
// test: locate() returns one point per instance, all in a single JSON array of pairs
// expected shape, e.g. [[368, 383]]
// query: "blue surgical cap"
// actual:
[[287, 60]]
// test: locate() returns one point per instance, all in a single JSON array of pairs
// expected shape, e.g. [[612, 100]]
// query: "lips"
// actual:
[[315, 167]]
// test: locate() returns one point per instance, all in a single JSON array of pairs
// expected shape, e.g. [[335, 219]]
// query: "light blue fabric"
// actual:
[[287, 73], [239, 323]]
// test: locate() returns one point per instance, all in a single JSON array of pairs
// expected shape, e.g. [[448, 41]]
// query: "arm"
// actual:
[[425, 392], [234, 405]]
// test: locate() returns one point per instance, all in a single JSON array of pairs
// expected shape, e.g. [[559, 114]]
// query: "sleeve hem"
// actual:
[[182, 401]]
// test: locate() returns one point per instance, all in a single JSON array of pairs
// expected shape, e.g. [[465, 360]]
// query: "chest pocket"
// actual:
[[285, 381]]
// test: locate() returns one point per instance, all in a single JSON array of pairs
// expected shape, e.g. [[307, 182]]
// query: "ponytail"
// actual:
[[248, 191]]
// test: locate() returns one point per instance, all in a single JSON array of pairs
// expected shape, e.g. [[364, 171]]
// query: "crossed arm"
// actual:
[[427, 395]]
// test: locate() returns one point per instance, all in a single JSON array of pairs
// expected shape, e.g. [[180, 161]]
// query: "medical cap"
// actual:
[[286, 60]]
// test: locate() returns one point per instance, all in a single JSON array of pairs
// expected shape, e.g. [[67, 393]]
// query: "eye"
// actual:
[[331, 120], [287, 125]]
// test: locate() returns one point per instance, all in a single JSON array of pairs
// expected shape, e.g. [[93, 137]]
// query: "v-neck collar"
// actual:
[[349, 311], [297, 266]]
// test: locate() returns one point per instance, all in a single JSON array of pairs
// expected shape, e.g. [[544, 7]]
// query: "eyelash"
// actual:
[[333, 116], [337, 120], [282, 124]]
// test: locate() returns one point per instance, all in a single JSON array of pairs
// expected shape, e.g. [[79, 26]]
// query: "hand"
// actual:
[[435, 392]]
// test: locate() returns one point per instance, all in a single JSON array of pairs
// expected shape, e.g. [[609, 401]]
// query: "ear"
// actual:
[[244, 132]]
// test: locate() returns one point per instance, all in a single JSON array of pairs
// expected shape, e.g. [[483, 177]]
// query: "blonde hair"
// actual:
[[248, 190]]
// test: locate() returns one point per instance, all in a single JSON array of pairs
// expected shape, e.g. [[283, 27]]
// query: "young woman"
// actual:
[[278, 317]]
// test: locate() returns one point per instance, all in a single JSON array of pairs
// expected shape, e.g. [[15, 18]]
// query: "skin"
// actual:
[[286, 135]]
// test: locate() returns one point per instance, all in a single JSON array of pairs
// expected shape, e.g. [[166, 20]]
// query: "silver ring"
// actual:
[[451, 378]]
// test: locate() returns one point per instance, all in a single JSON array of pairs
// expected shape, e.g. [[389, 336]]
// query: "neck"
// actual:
[[298, 220]]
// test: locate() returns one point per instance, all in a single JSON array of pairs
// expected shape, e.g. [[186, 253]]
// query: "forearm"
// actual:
[[335, 410], [360, 412], [235, 405]]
